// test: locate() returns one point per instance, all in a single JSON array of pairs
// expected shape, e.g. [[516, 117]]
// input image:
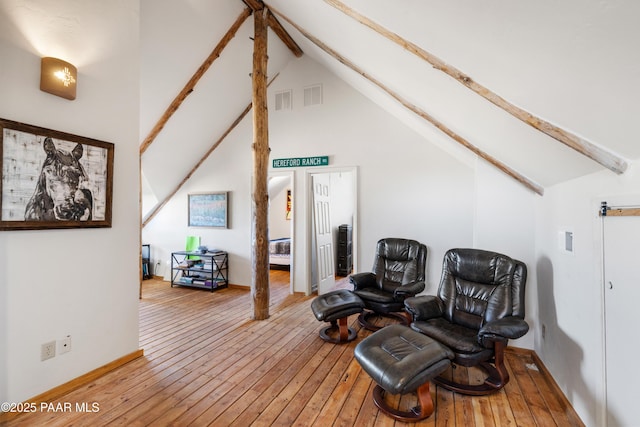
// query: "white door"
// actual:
[[622, 293], [323, 234]]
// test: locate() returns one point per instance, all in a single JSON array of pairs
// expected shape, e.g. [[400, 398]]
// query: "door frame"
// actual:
[[625, 200], [292, 180], [308, 190]]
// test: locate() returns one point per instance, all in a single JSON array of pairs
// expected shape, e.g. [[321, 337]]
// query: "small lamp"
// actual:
[[58, 77]]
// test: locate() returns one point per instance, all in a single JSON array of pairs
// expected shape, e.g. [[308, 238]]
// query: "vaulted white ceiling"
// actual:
[[574, 64], [176, 39]]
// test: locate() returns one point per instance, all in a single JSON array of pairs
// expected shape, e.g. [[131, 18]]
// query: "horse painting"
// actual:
[[61, 193]]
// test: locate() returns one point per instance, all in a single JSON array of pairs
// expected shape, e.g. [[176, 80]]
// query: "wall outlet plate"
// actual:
[[48, 350]]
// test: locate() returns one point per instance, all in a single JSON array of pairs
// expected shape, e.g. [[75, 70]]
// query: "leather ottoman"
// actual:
[[334, 307], [401, 360]]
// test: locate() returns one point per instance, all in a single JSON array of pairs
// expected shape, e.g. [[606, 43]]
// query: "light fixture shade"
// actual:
[[58, 77]]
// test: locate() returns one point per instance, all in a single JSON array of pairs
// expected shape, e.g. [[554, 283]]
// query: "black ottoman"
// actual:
[[401, 360], [335, 307]]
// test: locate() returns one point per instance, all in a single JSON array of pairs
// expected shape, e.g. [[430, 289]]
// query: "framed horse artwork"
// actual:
[[53, 179]]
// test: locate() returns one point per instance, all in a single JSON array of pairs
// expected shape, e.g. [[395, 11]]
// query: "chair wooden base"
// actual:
[[497, 377], [424, 409], [345, 333], [365, 319]]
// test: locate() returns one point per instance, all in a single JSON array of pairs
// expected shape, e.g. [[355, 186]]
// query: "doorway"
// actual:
[[621, 245], [281, 223], [343, 191]]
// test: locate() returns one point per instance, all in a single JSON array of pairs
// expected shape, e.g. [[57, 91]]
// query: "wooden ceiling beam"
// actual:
[[423, 114], [188, 88], [604, 157], [254, 5], [277, 28]]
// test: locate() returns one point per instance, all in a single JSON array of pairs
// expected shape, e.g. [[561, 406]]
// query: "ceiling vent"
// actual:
[[312, 95], [283, 100]]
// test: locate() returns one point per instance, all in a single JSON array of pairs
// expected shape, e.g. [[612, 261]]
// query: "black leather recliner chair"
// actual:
[[398, 273], [478, 308]]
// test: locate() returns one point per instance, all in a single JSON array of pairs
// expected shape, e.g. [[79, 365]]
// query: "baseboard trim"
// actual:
[[552, 382], [75, 383], [546, 374], [229, 285]]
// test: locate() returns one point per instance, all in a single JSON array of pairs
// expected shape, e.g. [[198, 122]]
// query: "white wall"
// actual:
[[408, 188], [229, 168], [403, 181], [79, 282], [504, 221], [343, 198], [569, 286]]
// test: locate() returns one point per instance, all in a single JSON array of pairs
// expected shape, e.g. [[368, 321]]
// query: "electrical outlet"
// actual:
[[48, 350], [64, 345]]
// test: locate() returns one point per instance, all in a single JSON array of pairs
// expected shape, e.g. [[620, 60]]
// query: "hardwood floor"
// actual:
[[206, 363]]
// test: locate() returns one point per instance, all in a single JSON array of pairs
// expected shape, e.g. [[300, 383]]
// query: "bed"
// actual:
[[280, 253]]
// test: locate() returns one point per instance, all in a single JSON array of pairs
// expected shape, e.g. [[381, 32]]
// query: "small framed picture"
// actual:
[[208, 209]]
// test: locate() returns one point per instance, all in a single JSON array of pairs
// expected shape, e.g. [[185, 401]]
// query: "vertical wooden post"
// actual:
[[260, 246]]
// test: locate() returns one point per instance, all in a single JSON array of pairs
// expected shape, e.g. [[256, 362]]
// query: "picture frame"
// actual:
[[208, 209], [53, 179]]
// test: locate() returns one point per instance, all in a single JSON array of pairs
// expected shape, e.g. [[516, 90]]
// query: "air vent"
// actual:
[[568, 241], [312, 95], [283, 100], [565, 241]]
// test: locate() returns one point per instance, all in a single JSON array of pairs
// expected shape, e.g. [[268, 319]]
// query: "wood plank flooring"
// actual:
[[207, 364]]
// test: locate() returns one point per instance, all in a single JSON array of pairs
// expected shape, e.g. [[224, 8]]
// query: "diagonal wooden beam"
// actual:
[[254, 4], [277, 28], [439, 125], [188, 88], [215, 145], [584, 147]]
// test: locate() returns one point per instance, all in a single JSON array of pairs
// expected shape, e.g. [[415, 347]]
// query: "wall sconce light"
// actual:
[[58, 78]]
